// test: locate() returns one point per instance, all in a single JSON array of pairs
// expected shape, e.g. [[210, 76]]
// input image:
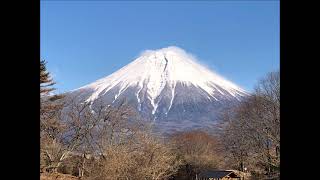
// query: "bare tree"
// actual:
[[142, 155], [198, 150], [119, 142], [155, 158], [252, 130]]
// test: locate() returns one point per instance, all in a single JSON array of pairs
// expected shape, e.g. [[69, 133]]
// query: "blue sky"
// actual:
[[84, 41]]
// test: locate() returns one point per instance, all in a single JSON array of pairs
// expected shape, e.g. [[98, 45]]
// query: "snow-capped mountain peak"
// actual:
[[162, 67], [159, 79]]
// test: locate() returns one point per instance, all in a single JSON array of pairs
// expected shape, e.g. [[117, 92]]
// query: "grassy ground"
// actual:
[[57, 176]]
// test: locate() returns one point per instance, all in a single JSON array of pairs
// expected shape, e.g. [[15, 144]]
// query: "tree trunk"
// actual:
[[241, 166]]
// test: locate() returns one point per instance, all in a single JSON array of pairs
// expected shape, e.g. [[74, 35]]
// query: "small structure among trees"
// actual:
[[218, 175]]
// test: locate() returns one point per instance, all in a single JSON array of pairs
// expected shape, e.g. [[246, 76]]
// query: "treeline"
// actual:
[[104, 143], [113, 142], [251, 131]]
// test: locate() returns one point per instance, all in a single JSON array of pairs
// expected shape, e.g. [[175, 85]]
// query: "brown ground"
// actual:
[[57, 176]]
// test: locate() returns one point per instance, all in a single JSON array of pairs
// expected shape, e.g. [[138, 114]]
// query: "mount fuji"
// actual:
[[167, 86]]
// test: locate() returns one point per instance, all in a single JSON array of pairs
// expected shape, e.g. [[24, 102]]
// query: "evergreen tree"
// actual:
[[50, 124], [49, 104], [46, 81]]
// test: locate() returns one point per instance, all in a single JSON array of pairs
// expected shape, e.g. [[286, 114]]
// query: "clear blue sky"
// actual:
[[84, 41]]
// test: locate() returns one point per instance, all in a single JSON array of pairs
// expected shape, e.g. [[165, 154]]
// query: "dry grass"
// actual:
[[56, 176]]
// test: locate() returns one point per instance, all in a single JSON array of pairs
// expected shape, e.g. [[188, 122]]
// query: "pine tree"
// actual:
[[49, 103], [46, 81], [50, 124]]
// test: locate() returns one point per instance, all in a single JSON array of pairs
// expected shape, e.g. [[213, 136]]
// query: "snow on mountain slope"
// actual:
[[158, 81]]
